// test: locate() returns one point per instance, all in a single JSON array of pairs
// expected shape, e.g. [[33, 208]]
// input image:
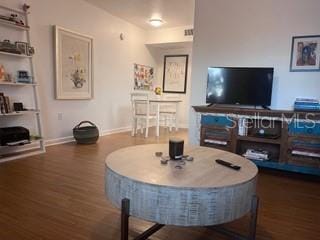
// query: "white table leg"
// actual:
[[176, 118], [158, 120]]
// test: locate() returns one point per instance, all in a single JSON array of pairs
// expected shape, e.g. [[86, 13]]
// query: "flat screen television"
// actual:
[[234, 85]]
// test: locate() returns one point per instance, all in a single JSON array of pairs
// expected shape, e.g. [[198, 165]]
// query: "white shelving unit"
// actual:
[[14, 54], [12, 25], [20, 113], [35, 146], [17, 84]]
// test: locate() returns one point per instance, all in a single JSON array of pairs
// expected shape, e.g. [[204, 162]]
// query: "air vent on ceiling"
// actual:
[[188, 32]]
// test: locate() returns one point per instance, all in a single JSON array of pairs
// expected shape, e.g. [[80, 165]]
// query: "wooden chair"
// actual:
[[169, 113], [141, 112]]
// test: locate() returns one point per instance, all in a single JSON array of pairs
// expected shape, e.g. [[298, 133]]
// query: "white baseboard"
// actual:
[[116, 130], [56, 141]]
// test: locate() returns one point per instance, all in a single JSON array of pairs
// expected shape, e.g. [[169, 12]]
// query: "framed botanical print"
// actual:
[[175, 73], [305, 53], [74, 64]]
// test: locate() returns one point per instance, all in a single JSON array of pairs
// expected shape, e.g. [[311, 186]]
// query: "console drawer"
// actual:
[[304, 128], [216, 120]]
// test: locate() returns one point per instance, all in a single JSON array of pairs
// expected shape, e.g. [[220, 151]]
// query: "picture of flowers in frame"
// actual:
[[74, 64], [305, 53]]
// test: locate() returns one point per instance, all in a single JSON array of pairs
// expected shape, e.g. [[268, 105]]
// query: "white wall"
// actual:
[[184, 106], [253, 33], [113, 64], [168, 35]]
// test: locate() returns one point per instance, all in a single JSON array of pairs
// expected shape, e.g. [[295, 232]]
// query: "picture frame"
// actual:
[[31, 51], [23, 47], [175, 73], [305, 54], [73, 65], [143, 77]]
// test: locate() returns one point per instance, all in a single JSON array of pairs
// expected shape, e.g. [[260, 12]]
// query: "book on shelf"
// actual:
[[242, 127], [218, 142], [304, 142], [305, 104], [217, 135], [306, 149], [307, 107], [305, 153], [2, 104], [307, 100], [306, 145], [218, 138], [5, 104]]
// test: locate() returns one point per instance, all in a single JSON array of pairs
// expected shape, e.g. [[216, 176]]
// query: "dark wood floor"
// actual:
[[60, 195]]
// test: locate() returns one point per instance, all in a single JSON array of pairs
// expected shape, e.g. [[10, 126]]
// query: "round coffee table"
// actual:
[[182, 193]]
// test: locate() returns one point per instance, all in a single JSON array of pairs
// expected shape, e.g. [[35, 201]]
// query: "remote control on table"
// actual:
[[227, 164]]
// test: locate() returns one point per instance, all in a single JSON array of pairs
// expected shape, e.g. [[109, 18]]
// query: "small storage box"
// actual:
[[223, 121], [86, 134], [304, 128]]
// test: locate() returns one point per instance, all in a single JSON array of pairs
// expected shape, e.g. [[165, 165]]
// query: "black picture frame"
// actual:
[[166, 82], [293, 59]]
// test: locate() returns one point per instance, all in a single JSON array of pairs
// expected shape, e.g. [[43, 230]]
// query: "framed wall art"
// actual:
[[305, 53], [143, 77], [175, 73], [74, 64]]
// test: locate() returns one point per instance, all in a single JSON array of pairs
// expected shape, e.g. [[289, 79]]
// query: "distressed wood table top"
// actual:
[[139, 163]]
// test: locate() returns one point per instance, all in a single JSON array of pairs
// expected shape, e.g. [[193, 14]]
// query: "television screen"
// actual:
[[246, 86]]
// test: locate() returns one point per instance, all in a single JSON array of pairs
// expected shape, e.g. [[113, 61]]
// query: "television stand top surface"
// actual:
[[236, 106], [246, 110]]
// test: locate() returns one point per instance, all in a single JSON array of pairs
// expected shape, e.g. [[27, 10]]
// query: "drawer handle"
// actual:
[[309, 130]]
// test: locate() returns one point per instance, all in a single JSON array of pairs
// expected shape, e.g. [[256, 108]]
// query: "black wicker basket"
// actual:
[[86, 134]]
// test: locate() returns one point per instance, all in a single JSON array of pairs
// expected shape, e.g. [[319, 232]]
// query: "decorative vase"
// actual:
[[157, 90]]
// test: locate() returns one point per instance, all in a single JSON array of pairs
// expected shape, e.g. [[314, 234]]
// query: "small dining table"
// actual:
[[162, 101]]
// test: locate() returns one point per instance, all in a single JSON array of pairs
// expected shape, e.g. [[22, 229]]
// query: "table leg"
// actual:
[[158, 120], [253, 217], [125, 213], [176, 117], [146, 234]]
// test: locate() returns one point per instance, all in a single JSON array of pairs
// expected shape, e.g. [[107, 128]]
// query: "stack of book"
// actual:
[[4, 104], [308, 149], [218, 137], [260, 155], [242, 126], [306, 104]]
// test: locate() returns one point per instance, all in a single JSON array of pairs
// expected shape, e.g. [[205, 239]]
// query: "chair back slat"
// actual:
[[140, 103]]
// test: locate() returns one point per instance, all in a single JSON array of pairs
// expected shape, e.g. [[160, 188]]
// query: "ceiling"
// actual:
[[174, 13]]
